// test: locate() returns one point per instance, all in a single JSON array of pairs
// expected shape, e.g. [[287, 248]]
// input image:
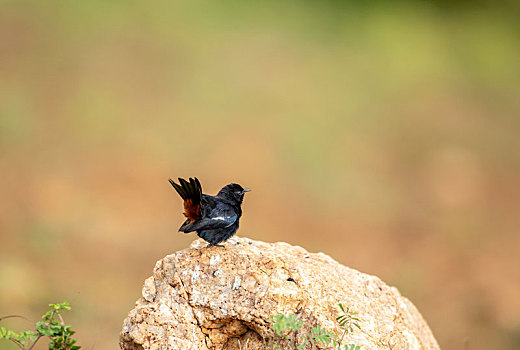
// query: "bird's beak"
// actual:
[[247, 189]]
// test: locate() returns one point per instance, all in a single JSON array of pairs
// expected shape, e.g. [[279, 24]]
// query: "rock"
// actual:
[[222, 298]]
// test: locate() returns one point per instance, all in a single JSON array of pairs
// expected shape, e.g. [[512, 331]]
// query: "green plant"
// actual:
[[347, 320], [51, 326], [284, 326], [282, 323]]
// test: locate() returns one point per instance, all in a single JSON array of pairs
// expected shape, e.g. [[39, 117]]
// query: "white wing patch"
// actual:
[[225, 219]]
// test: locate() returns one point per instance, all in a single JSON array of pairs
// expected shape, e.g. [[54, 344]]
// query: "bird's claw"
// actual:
[[214, 245]]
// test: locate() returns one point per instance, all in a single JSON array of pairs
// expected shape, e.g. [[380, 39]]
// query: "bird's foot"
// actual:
[[214, 245]]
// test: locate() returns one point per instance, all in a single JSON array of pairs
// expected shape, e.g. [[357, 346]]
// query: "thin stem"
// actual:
[[61, 318], [343, 335], [32, 346], [11, 316], [17, 343]]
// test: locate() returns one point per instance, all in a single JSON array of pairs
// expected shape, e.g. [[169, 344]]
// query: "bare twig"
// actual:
[[20, 345], [12, 316], [33, 344]]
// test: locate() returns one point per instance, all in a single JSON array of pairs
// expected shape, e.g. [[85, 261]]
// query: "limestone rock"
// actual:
[[222, 298]]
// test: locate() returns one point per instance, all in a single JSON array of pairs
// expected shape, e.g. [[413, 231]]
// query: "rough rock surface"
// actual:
[[222, 298]]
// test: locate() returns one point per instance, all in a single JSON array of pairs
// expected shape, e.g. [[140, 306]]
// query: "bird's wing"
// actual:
[[191, 193], [217, 218]]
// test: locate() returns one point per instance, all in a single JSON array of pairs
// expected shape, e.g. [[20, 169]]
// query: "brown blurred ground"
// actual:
[[385, 136]]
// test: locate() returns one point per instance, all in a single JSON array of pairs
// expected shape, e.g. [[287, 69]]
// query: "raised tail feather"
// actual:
[[191, 193], [188, 190]]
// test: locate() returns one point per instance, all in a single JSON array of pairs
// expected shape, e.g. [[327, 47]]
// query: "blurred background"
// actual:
[[385, 135]]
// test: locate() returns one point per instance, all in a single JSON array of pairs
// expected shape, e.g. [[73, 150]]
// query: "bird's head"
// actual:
[[233, 192]]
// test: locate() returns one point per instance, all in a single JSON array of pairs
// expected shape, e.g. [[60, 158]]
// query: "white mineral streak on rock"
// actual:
[[195, 275], [236, 282], [214, 259], [149, 289], [190, 304]]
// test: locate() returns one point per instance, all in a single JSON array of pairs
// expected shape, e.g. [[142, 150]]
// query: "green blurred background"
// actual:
[[383, 134]]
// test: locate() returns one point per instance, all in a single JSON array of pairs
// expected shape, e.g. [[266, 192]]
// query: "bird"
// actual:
[[214, 218]]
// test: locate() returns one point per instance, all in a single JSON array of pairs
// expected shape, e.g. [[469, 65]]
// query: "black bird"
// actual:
[[215, 218]]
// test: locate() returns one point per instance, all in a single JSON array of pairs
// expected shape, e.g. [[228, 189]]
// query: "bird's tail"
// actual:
[[191, 193], [188, 190]]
